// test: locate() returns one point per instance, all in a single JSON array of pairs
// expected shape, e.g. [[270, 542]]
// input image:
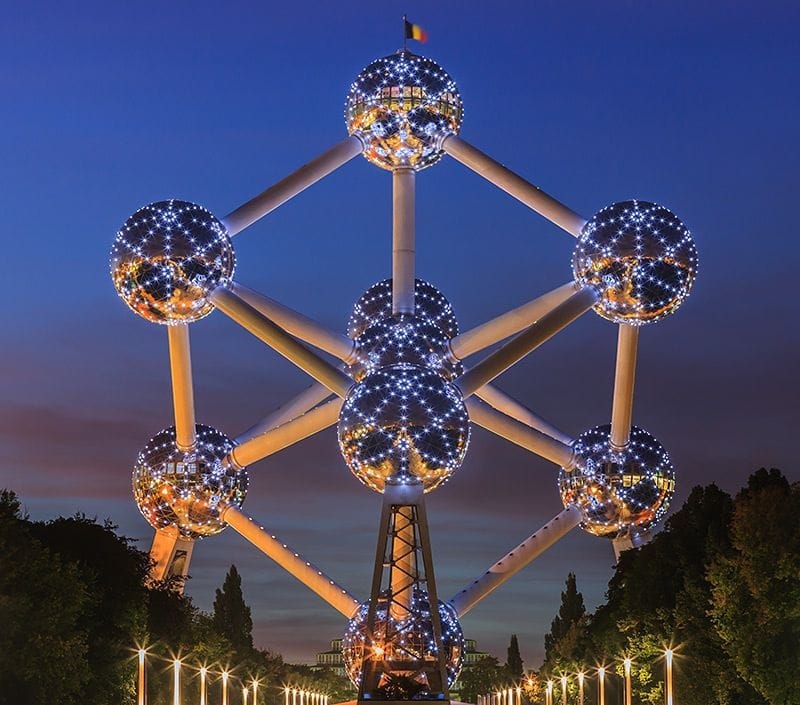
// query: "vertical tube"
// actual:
[[294, 696], [563, 690], [403, 266], [580, 688], [255, 692], [141, 684], [180, 364], [404, 562], [203, 686], [286, 696], [244, 695], [519, 695], [224, 688], [624, 376]]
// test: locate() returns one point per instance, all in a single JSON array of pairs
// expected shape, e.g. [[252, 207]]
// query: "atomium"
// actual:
[[167, 258], [618, 491], [402, 394], [403, 422], [185, 489], [399, 640], [375, 305], [640, 257], [401, 107]]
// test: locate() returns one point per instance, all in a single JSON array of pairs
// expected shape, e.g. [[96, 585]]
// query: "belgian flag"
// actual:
[[414, 31]]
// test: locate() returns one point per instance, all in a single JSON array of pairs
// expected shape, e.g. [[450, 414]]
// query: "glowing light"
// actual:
[[140, 687], [225, 688], [668, 654], [203, 685], [167, 258], [401, 107], [640, 257], [619, 492], [408, 639], [176, 685], [628, 688], [403, 424], [601, 685], [245, 691], [184, 490], [580, 687], [564, 690]]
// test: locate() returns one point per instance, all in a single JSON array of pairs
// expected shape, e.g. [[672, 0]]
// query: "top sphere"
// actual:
[[640, 257], [167, 258], [401, 107], [375, 305]]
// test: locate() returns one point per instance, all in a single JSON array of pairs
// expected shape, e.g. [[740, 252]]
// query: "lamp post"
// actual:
[[224, 688], [549, 693], [141, 685], [627, 664], [668, 655], [255, 691], [519, 695], [563, 690], [176, 682], [601, 685], [580, 688], [203, 672]]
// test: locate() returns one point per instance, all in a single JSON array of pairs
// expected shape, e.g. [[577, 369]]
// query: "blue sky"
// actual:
[[108, 106]]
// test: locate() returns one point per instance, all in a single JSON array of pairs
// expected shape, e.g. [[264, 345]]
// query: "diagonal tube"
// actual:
[[313, 578], [180, 363], [505, 179], [624, 378], [530, 339], [298, 325], [515, 560], [287, 434], [511, 407], [278, 339], [288, 188], [303, 402], [509, 323], [517, 432]]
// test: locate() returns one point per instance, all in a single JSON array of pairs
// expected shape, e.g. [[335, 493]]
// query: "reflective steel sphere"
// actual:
[[403, 422], [405, 340], [619, 493], [375, 305], [173, 488], [401, 107], [640, 257], [167, 258], [403, 640]]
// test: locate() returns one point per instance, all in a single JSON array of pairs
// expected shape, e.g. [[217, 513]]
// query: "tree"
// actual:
[[570, 613], [232, 616], [756, 587], [485, 676], [514, 660], [43, 645]]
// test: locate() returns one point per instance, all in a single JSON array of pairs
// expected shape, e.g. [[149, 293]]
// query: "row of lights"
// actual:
[[601, 683], [225, 676], [513, 696]]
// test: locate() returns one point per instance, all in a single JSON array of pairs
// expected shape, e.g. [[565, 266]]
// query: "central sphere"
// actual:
[[403, 640], [403, 423], [401, 107], [619, 492], [167, 258], [640, 257], [184, 490]]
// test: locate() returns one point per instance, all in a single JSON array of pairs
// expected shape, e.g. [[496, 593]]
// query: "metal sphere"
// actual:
[[174, 488], [403, 640], [401, 107], [405, 340], [403, 423], [640, 257], [375, 305], [167, 258], [619, 492]]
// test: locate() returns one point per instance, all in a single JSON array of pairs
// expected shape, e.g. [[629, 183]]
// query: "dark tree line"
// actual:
[[76, 601], [720, 584]]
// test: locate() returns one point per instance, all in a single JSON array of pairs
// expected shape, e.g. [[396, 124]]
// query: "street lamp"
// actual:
[[627, 664], [141, 688], [601, 684], [244, 695], [224, 688], [668, 655], [255, 691], [176, 684], [203, 672], [563, 690], [580, 688], [549, 693]]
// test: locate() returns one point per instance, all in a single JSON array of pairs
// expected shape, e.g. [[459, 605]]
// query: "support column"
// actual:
[[180, 364], [403, 248], [624, 377]]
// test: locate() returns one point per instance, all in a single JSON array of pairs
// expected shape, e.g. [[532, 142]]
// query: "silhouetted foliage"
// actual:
[[514, 659]]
